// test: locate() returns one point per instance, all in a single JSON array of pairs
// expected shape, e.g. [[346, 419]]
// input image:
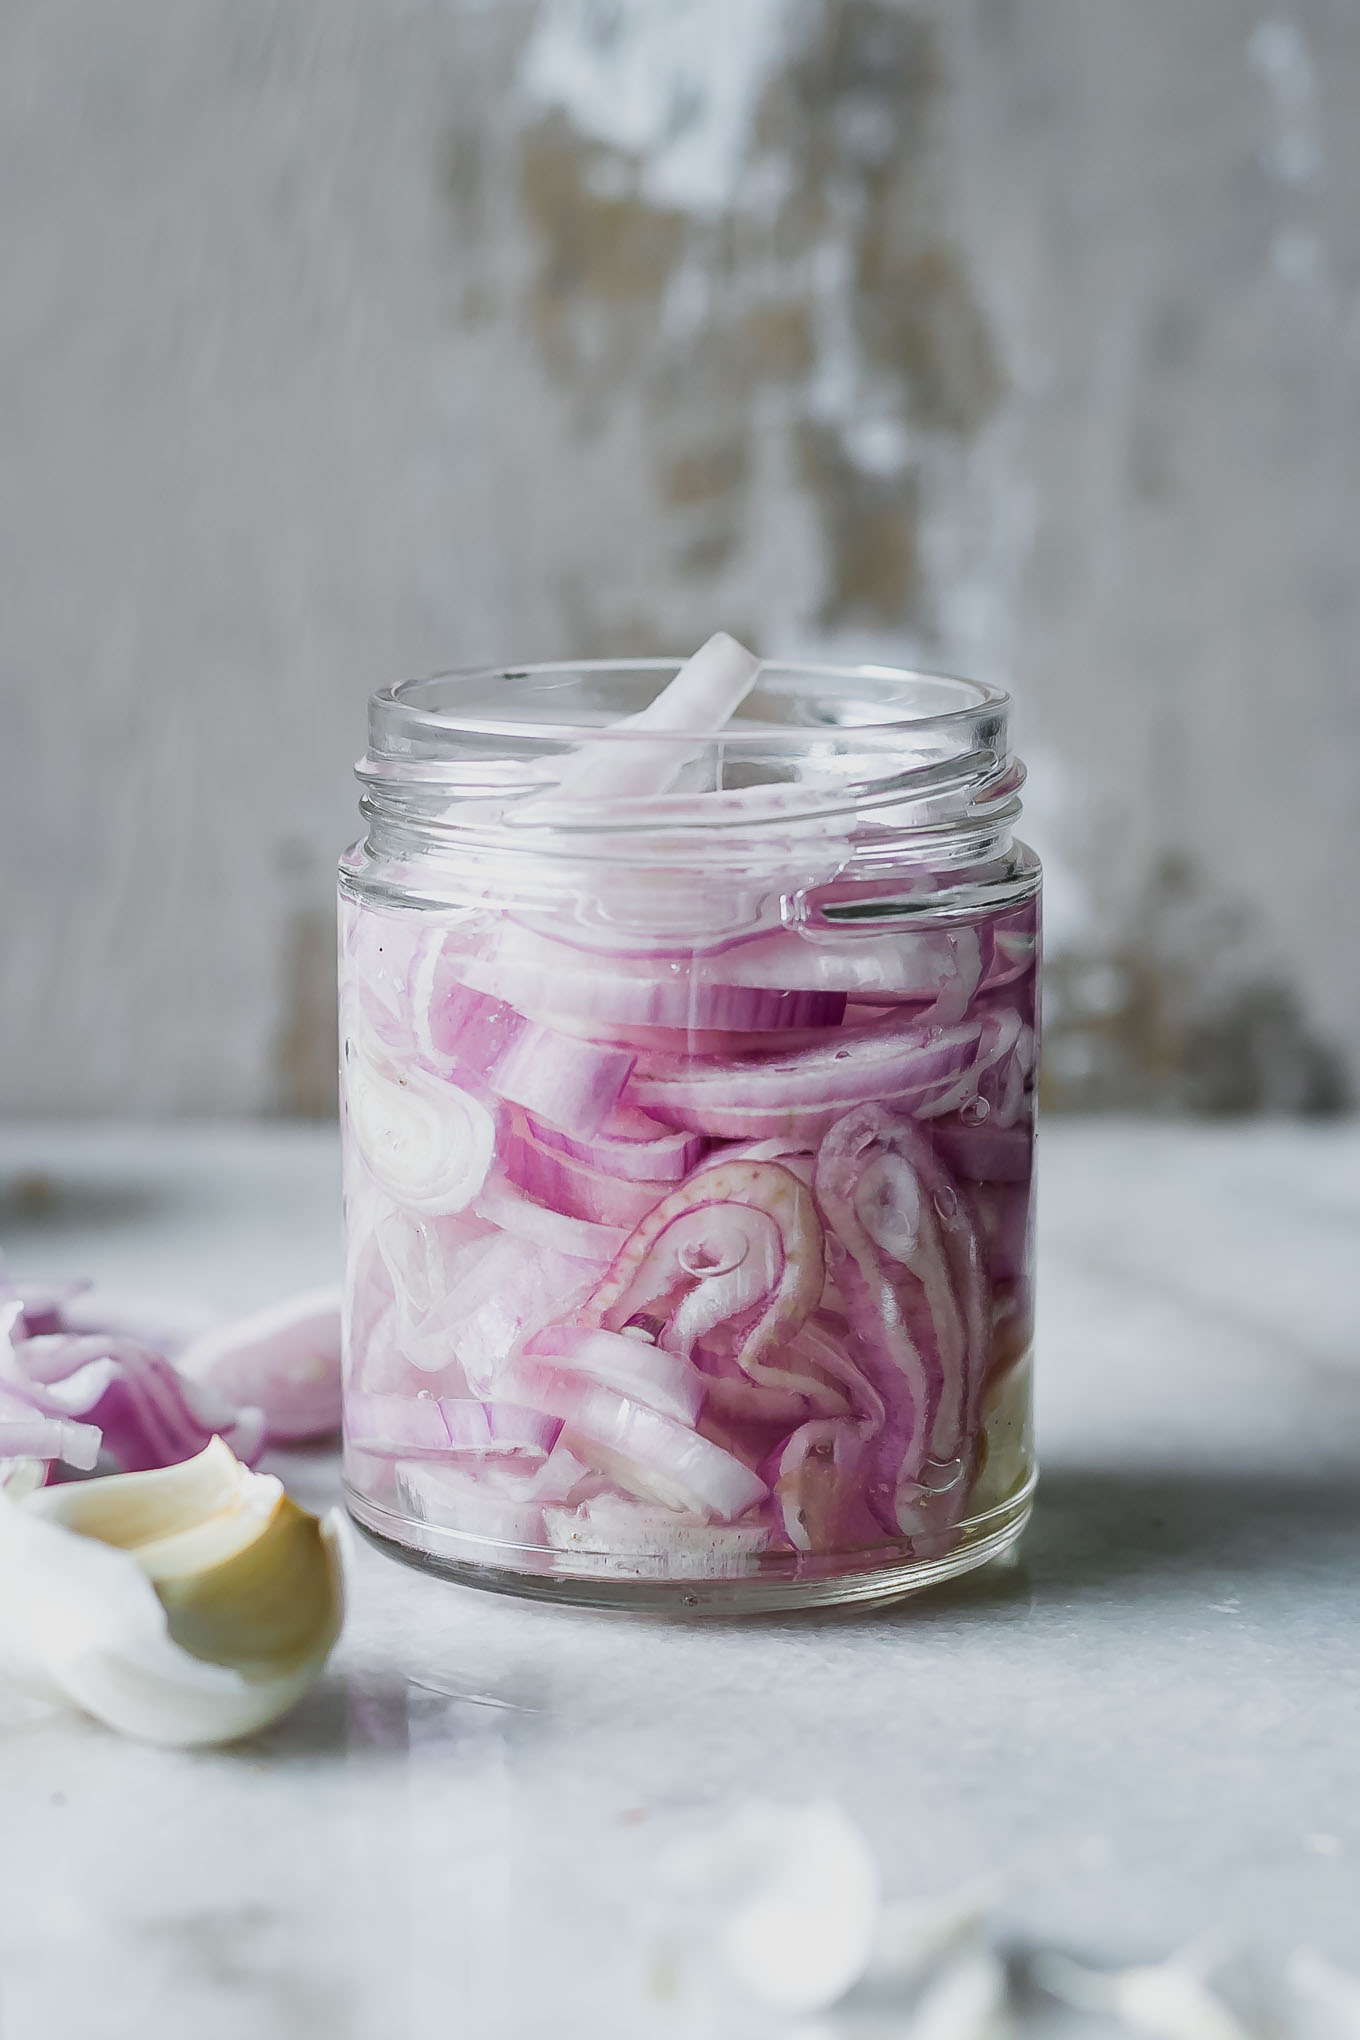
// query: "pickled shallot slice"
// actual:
[[630, 1364], [1011, 947], [569, 1082], [425, 1256], [643, 1452], [735, 1239], [492, 1500], [579, 1238], [648, 1456], [629, 1145], [983, 1152], [381, 951], [400, 1426], [427, 1143], [910, 1268], [826, 1483], [573, 1187], [750, 1100], [560, 981], [607, 1533], [510, 1289], [991, 1087], [565, 1079], [935, 967]]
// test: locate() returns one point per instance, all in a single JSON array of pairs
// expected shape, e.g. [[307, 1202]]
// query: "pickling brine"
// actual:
[[689, 1051]]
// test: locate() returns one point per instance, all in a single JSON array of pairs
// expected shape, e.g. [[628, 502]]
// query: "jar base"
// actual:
[[555, 1578]]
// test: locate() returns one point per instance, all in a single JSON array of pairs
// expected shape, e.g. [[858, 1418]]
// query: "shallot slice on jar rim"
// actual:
[[706, 692]]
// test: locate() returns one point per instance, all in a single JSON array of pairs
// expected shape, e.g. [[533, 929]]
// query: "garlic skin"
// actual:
[[191, 1604]]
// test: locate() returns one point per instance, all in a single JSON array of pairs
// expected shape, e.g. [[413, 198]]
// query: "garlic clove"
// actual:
[[131, 1509], [192, 1604], [266, 1608]]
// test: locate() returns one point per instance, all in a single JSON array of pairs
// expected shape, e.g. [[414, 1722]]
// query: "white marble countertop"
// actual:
[[1147, 1728]]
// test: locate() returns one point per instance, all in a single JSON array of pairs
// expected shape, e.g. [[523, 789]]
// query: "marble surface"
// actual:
[[1147, 1728]]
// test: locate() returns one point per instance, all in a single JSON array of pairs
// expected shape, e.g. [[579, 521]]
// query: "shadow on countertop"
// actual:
[[1099, 1534]]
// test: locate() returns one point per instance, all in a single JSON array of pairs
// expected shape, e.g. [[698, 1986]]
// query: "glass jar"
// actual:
[[688, 1135]]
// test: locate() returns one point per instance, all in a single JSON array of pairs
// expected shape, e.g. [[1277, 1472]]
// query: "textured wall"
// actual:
[[344, 341]]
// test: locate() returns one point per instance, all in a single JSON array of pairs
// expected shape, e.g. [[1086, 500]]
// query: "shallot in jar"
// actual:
[[688, 1027]]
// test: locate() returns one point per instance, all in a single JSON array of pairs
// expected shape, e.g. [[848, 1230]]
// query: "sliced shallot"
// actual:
[[398, 1426]]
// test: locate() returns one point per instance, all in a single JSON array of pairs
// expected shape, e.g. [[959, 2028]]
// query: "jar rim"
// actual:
[[395, 713]]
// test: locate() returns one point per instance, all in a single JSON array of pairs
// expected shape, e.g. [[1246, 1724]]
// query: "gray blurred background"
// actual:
[[342, 342]]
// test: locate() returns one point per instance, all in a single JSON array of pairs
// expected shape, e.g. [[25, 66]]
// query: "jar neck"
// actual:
[[834, 786]]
